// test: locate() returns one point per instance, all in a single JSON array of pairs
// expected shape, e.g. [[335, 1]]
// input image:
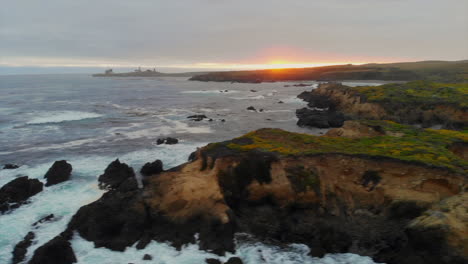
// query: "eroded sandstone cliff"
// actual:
[[369, 188]]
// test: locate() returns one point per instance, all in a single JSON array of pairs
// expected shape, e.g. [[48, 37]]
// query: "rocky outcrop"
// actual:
[[335, 194], [197, 117], [56, 251], [17, 192], [117, 175], [319, 118], [168, 141], [59, 172], [10, 166], [152, 168], [20, 250], [423, 103]]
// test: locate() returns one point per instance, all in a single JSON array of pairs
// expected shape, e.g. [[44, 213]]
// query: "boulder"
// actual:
[[197, 117], [16, 192], [234, 260], [56, 251], [20, 250], [10, 166], [47, 218], [147, 257], [152, 168], [59, 172], [168, 141], [115, 174], [251, 108], [212, 261]]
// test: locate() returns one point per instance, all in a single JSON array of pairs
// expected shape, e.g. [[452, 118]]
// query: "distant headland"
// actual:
[[145, 73]]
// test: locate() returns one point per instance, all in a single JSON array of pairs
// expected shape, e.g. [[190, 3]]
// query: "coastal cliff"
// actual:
[[441, 71], [375, 188], [418, 102]]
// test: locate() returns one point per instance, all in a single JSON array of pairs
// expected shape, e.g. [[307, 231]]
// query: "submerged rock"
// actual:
[[10, 166], [20, 250], [152, 168], [47, 218], [197, 117], [168, 141], [59, 172], [56, 251], [147, 257], [16, 192], [234, 260], [117, 174]]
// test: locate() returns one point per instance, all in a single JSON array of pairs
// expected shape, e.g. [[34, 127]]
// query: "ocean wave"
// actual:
[[61, 116]]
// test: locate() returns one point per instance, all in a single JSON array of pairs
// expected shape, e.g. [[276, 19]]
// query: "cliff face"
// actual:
[[328, 192], [418, 102]]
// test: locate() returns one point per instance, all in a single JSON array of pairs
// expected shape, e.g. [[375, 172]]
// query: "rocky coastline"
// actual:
[[287, 187], [421, 103]]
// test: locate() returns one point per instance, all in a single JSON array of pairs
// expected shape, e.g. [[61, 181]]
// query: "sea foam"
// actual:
[[61, 116]]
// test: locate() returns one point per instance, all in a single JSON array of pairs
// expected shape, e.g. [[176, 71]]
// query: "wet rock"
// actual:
[[212, 261], [20, 250], [115, 174], [261, 110], [253, 91], [223, 120], [16, 192], [280, 102], [251, 108], [47, 218], [234, 260], [197, 117], [10, 166], [59, 172], [56, 251], [168, 141], [152, 168], [147, 257], [115, 221]]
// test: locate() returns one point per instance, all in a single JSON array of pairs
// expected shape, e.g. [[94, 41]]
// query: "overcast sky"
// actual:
[[199, 33]]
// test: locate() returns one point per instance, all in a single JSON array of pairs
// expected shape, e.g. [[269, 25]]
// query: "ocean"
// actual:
[[92, 121]]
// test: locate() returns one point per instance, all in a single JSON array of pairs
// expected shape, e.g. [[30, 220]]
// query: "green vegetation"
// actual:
[[402, 142], [439, 71], [417, 93], [303, 179]]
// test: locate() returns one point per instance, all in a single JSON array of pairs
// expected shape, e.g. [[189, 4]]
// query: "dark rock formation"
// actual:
[[115, 221], [47, 218], [319, 118], [197, 117], [16, 192], [168, 141], [20, 250], [59, 172], [234, 260], [10, 166], [115, 175], [147, 257], [56, 251], [251, 108], [213, 261], [152, 168]]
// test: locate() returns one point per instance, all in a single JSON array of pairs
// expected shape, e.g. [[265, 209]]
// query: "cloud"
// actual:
[[220, 31]]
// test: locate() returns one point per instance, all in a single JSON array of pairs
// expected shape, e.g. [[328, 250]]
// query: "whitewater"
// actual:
[[92, 121]]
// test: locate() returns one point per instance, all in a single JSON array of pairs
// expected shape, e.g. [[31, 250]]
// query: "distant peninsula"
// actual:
[[439, 71], [146, 73]]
